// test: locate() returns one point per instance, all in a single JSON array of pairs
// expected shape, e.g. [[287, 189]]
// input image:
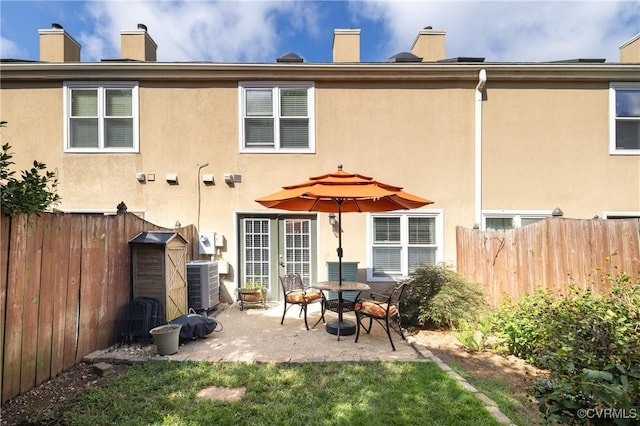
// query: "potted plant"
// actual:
[[252, 292], [167, 338]]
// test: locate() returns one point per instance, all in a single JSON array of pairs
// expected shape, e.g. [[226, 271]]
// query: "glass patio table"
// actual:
[[341, 326]]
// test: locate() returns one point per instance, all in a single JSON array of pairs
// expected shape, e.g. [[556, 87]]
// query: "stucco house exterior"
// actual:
[[495, 145]]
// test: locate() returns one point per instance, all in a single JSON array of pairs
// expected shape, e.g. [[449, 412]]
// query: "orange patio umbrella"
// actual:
[[342, 192]]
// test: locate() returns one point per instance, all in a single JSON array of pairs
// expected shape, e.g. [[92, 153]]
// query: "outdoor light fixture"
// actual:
[[332, 219]]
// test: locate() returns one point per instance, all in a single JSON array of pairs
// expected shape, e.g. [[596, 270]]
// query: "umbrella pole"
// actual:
[[339, 241], [339, 265]]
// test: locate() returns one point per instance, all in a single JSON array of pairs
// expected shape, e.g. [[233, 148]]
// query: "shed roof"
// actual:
[[156, 237]]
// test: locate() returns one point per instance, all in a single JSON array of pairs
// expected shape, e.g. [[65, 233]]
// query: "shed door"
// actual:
[[176, 268]]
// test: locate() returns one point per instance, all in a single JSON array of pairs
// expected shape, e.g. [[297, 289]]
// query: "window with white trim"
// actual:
[[621, 215], [277, 117], [503, 220], [402, 242], [101, 117], [624, 104]]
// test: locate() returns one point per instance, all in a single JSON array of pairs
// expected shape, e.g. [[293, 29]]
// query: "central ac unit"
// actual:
[[204, 284]]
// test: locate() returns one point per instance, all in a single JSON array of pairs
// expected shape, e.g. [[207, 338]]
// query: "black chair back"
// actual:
[[291, 282]]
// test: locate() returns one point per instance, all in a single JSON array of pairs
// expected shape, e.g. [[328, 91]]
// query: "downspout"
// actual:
[[482, 80]]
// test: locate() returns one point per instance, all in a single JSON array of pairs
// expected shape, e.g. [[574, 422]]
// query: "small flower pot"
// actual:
[[167, 338], [252, 296]]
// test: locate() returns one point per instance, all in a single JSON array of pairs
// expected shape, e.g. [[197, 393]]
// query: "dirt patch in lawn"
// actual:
[[45, 404]]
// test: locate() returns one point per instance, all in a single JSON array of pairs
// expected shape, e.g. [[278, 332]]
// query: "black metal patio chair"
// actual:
[[296, 292], [384, 309]]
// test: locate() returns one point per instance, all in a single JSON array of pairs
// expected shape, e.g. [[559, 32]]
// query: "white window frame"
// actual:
[[516, 215], [619, 214], [275, 87], [404, 224], [612, 117], [101, 86]]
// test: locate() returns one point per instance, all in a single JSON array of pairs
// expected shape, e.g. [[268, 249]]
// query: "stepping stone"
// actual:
[[221, 394]]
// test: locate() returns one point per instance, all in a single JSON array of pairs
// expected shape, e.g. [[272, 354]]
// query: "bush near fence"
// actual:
[[64, 280], [551, 254]]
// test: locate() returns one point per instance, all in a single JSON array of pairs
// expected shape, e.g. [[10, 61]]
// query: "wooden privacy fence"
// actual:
[[64, 280], [551, 253]]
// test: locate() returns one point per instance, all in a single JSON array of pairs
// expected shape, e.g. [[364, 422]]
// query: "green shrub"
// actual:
[[437, 296], [589, 342], [33, 192], [522, 325]]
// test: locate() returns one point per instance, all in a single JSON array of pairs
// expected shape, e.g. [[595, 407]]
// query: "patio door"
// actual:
[[271, 246]]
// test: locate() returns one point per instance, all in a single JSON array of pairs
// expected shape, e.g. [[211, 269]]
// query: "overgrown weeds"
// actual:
[[589, 342]]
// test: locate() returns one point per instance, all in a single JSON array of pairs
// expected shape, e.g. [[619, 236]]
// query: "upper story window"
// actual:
[[402, 242], [101, 117], [624, 101], [503, 220], [277, 117]]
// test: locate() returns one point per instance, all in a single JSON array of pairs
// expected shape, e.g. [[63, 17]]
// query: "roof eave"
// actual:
[[316, 71]]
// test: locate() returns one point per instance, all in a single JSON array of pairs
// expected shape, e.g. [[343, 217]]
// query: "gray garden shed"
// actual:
[[159, 266]]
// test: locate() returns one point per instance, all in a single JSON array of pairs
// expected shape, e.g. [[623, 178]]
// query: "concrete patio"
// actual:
[[255, 335]]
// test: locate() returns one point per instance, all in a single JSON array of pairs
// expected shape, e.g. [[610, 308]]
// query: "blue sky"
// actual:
[[261, 31]]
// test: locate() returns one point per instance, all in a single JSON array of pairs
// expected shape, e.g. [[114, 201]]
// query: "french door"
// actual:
[[271, 246]]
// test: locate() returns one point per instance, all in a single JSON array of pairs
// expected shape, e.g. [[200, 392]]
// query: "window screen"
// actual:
[[277, 117], [101, 117]]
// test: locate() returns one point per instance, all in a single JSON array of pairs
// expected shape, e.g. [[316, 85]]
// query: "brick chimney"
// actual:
[[429, 45], [137, 45], [630, 51], [346, 45], [56, 45]]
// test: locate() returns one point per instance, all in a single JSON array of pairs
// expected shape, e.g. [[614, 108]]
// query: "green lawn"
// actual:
[[352, 393], [514, 403]]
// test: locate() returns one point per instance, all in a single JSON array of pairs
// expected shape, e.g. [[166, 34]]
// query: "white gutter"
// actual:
[[482, 80]]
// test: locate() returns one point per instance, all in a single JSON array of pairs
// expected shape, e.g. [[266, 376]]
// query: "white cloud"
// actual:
[[512, 30], [9, 49], [198, 31], [260, 31]]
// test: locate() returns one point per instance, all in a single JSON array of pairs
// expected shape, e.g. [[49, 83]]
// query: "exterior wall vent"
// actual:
[[404, 57], [580, 61], [289, 58], [462, 59]]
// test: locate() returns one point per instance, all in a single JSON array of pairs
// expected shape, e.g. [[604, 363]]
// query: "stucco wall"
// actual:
[[545, 145]]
